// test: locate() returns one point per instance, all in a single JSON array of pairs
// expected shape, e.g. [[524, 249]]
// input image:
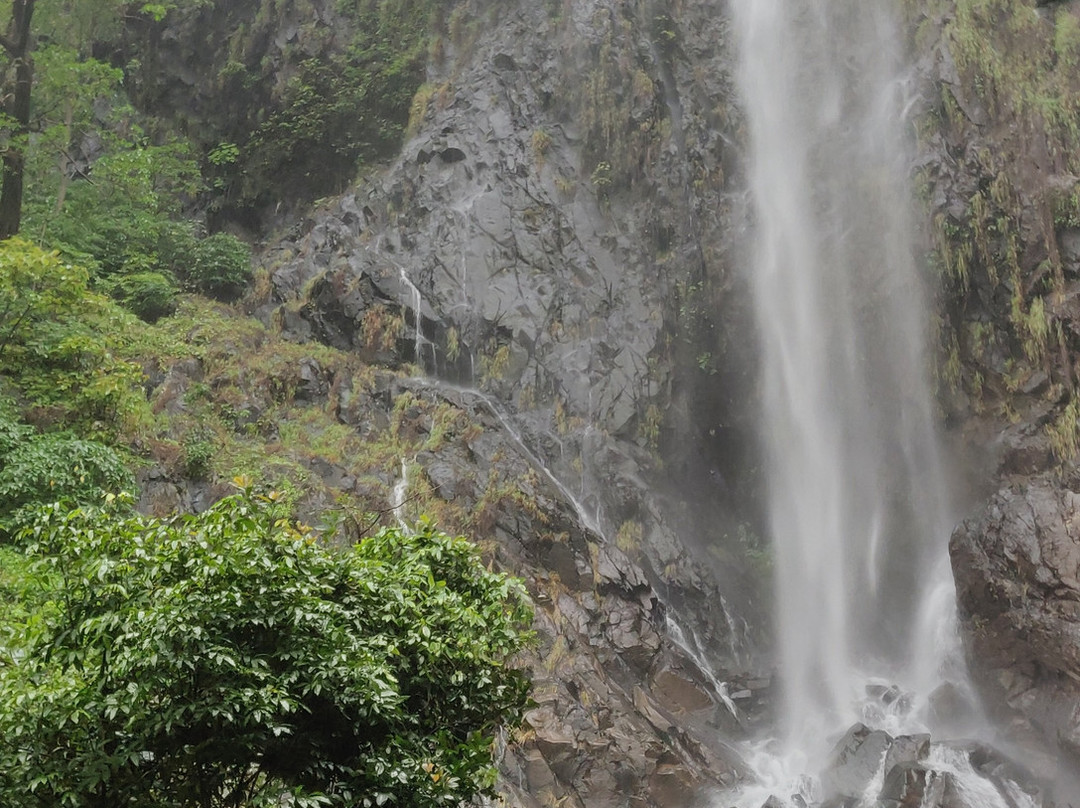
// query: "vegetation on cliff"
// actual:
[[1005, 205], [112, 689], [236, 657]]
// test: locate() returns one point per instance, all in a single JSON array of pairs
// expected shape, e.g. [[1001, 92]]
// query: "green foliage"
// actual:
[[223, 154], [230, 659], [149, 295], [37, 468], [79, 23], [123, 219], [121, 225], [220, 266], [59, 340], [117, 214], [12, 429], [198, 454], [59, 466], [35, 288]]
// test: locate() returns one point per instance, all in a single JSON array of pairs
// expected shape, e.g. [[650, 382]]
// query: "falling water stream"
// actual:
[[859, 512]]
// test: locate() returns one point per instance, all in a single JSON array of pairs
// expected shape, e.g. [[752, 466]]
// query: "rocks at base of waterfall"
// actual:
[[1016, 782], [857, 759], [862, 756], [886, 694], [884, 700], [912, 785], [906, 749], [1017, 569], [909, 772], [962, 774]]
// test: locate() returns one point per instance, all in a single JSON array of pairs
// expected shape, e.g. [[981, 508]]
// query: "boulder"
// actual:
[[1017, 569], [912, 785], [856, 760]]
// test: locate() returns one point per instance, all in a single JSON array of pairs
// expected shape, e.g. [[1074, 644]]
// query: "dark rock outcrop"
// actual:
[[1017, 568], [555, 235]]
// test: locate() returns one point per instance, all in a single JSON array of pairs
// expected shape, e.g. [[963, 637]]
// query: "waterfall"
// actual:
[[858, 504]]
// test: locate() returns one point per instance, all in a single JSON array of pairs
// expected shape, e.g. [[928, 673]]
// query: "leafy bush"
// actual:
[[123, 220], [230, 659], [35, 287], [12, 430], [149, 295], [198, 454], [47, 468], [59, 341], [220, 266]]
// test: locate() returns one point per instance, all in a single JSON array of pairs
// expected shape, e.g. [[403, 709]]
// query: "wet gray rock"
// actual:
[[906, 749], [1017, 569], [856, 760], [912, 785], [953, 706], [863, 756], [313, 384]]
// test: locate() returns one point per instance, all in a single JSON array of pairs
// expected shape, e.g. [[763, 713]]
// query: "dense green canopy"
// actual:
[[231, 659]]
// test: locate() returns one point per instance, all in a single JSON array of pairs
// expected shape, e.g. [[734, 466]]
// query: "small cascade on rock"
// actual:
[[858, 504], [688, 643], [412, 301], [416, 304], [400, 495], [590, 520]]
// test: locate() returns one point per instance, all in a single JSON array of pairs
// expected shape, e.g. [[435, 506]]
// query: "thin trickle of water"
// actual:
[[858, 506], [737, 631], [692, 648], [400, 494], [415, 302], [592, 521]]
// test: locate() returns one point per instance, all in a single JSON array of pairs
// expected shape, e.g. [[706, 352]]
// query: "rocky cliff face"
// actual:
[[998, 172], [553, 244], [554, 234], [558, 234], [1018, 591], [625, 709]]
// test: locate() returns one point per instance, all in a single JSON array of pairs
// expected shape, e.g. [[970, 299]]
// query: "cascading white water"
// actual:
[[857, 499]]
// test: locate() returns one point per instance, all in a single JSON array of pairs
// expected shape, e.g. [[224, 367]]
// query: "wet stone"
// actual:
[[886, 694], [907, 749], [912, 785], [857, 759]]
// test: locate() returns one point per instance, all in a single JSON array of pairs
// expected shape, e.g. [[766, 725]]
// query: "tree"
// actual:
[[231, 659], [72, 28], [59, 340], [36, 287], [17, 43]]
